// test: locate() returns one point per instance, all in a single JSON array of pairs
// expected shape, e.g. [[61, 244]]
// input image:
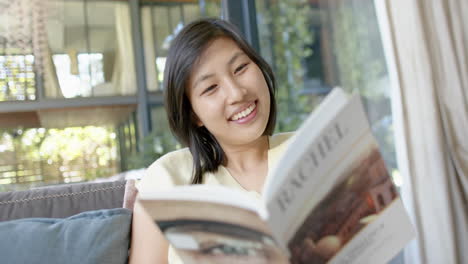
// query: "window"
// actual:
[[316, 45], [161, 21], [17, 78], [77, 74], [38, 156], [160, 24], [92, 49]]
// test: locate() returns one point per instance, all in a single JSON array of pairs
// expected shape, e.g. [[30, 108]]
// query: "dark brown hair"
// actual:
[[184, 53]]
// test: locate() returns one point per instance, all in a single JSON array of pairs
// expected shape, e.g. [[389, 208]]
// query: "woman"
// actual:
[[220, 103]]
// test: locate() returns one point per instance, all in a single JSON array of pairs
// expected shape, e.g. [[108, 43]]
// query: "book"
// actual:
[[330, 199]]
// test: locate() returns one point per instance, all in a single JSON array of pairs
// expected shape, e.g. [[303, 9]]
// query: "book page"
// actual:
[[309, 130], [206, 193], [318, 164], [338, 195], [211, 231], [359, 219]]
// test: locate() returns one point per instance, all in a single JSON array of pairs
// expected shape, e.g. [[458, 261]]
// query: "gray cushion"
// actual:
[[92, 237], [61, 200]]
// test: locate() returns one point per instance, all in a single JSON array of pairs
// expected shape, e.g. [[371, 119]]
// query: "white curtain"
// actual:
[[430, 47], [42, 52], [124, 77], [149, 45]]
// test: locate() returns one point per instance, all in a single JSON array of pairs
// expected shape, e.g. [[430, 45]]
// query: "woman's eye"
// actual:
[[240, 68], [209, 89]]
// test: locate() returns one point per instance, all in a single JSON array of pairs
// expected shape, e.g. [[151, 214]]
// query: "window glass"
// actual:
[[17, 78], [91, 48], [191, 12], [38, 156], [161, 21], [314, 46]]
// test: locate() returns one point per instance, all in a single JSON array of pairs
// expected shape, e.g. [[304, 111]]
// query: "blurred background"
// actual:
[[81, 80]]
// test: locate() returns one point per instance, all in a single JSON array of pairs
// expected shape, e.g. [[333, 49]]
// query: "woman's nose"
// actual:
[[235, 92]]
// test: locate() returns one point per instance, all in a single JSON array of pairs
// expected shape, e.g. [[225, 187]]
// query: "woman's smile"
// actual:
[[229, 94], [246, 115]]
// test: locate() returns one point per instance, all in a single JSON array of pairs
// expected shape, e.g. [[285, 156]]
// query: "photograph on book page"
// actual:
[[351, 205]]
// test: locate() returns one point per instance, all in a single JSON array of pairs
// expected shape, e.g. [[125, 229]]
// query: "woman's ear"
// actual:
[[196, 120]]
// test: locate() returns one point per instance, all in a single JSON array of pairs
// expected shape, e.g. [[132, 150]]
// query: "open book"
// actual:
[[330, 199]]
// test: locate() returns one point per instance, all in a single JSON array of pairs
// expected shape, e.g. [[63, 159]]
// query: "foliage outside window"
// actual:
[[362, 68], [316, 45], [285, 25], [38, 156]]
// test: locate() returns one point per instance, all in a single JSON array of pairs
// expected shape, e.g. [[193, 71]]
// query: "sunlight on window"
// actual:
[[90, 73], [39, 156], [160, 64], [17, 79], [397, 178], [6, 143], [91, 68], [5, 181]]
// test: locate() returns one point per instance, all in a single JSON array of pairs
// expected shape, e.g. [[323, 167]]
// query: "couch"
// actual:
[[75, 223], [72, 223]]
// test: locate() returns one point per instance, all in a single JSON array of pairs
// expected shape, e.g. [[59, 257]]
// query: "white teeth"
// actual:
[[244, 113]]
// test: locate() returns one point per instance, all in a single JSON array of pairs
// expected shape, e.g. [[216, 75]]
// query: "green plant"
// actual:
[[357, 47], [39, 156], [288, 29]]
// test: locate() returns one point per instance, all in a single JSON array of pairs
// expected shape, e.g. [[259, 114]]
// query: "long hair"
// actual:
[[184, 52]]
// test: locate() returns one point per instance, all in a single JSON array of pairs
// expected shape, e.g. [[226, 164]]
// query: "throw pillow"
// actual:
[[100, 236]]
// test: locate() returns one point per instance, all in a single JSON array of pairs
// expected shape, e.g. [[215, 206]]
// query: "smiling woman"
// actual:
[[233, 103], [211, 75], [220, 103]]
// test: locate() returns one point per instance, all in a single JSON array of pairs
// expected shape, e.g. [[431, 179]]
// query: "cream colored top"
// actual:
[[176, 168]]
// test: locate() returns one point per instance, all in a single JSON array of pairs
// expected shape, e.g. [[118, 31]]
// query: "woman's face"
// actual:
[[229, 94]]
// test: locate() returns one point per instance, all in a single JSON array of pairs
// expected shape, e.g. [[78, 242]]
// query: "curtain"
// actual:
[[124, 76], [430, 47], [42, 52], [149, 45]]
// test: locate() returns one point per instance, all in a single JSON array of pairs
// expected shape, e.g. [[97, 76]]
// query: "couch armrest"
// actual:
[[131, 193]]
